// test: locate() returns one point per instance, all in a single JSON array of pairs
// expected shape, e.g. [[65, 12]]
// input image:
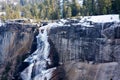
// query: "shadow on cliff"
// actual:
[[59, 73], [53, 55], [22, 65]]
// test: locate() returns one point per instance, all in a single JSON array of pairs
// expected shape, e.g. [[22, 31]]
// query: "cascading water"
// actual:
[[39, 59]]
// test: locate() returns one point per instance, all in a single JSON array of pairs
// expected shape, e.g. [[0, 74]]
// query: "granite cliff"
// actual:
[[68, 51], [17, 41], [75, 52], [88, 53]]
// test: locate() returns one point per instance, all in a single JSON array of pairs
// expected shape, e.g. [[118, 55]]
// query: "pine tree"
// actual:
[[41, 13], [85, 8], [116, 6], [69, 12], [108, 6], [64, 10], [26, 11], [104, 6], [75, 6], [89, 7], [34, 11]]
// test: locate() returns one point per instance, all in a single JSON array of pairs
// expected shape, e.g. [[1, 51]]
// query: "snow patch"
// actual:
[[101, 18]]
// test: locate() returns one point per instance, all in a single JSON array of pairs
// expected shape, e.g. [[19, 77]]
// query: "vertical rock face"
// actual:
[[97, 44], [77, 42], [75, 52], [16, 41], [71, 52]]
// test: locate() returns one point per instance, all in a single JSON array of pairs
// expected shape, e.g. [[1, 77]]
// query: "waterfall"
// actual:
[[39, 59]]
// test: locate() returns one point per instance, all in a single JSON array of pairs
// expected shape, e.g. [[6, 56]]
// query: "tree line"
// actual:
[[100, 7], [51, 9]]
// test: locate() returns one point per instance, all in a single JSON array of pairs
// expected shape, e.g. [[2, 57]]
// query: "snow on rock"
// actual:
[[87, 21], [50, 25], [101, 18], [63, 21]]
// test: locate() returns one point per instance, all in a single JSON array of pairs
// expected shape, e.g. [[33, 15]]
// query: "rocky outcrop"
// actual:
[[78, 42], [96, 46], [69, 52], [17, 41]]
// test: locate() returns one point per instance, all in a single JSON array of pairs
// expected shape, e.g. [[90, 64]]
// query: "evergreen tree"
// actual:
[[84, 8], [96, 7], [69, 12], [42, 14], [50, 9], [41, 11], [104, 6], [26, 11], [64, 10], [75, 6], [116, 6], [108, 5], [34, 11]]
